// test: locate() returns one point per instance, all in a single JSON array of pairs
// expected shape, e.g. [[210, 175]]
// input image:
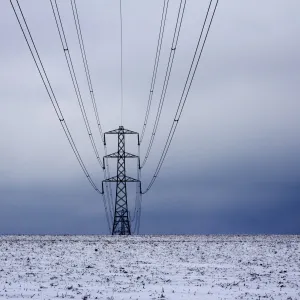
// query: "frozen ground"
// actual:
[[150, 267]]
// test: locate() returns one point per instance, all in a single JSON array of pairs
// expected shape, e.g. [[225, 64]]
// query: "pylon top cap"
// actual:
[[120, 130]]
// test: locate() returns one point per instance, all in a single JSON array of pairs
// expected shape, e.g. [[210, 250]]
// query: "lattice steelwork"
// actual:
[[121, 222]]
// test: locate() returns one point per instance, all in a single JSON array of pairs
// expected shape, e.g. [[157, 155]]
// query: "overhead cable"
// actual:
[[138, 198], [167, 76], [86, 66], [156, 62], [69, 61], [184, 95], [121, 58], [92, 95], [42, 72]]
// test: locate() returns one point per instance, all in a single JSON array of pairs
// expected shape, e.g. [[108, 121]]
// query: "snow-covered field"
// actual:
[[150, 267]]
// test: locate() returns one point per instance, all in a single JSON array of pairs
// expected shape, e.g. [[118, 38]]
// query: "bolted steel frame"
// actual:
[[121, 221]]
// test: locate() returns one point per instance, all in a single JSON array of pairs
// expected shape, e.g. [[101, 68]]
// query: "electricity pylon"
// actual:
[[121, 222]]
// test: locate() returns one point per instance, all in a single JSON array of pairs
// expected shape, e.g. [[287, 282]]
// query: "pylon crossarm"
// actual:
[[125, 179], [117, 131], [116, 155], [121, 130]]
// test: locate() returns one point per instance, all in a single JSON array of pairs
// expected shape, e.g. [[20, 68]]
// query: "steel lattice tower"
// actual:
[[121, 221]]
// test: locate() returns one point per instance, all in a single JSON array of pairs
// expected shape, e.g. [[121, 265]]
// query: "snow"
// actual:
[[150, 267]]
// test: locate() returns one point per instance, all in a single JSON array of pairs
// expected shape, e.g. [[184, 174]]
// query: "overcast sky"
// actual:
[[234, 164]]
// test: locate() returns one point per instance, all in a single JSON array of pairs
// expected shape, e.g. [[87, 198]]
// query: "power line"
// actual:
[[167, 76], [68, 57], [184, 94], [42, 72], [108, 216], [92, 95], [86, 66], [69, 61], [50, 92], [121, 54], [138, 198], [108, 185], [156, 61]]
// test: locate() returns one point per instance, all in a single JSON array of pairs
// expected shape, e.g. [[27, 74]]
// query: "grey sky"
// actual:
[[234, 162]]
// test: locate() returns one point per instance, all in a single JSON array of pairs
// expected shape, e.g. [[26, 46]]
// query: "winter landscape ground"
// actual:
[[150, 267]]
